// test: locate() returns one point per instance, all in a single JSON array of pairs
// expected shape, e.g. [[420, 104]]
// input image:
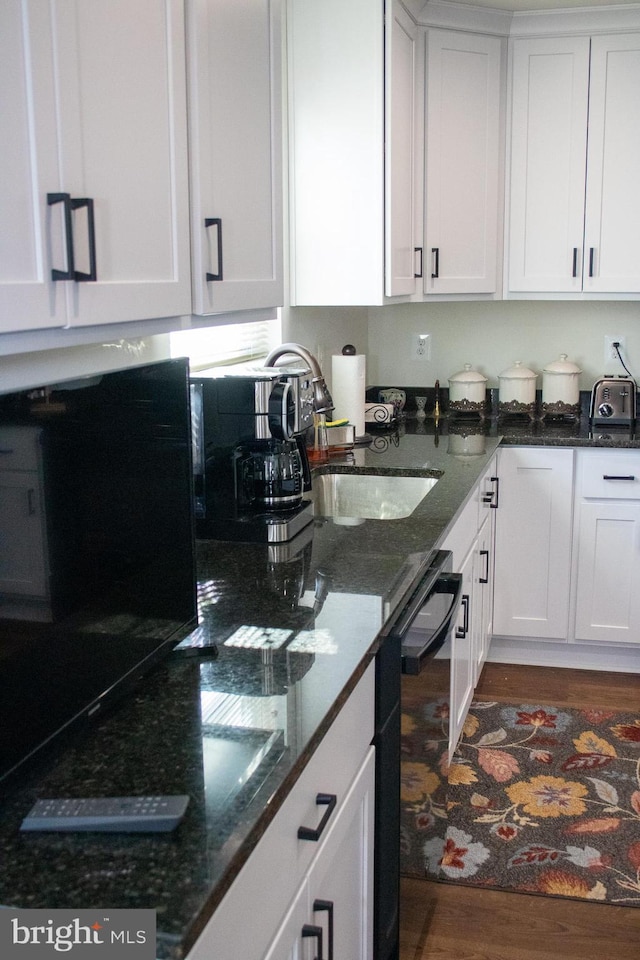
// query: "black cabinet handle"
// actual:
[[319, 905], [462, 631], [485, 579], [65, 198], [322, 799], [494, 505], [435, 251], [87, 203], [608, 476], [217, 223], [419, 250], [592, 251], [575, 262], [309, 930]]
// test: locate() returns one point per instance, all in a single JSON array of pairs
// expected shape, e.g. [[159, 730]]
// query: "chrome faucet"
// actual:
[[322, 401]]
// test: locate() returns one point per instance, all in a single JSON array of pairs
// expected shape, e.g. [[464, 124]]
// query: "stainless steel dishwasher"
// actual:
[[414, 642]]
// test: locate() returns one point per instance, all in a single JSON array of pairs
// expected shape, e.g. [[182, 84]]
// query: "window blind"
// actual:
[[226, 344]]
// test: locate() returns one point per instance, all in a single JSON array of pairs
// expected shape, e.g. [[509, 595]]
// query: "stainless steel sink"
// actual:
[[360, 496]]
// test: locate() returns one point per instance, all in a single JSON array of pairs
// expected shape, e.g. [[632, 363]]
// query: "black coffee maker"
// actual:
[[250, 461]]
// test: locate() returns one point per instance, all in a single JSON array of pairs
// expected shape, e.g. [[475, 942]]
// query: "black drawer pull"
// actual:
[[86, 203], [217, 223], [575, 262], [327, 905], [462, 631], [322, 799], [309, 930], [435, 252], [609, 476], [418, 250], [496, 503], [485, 579], [64, 198]]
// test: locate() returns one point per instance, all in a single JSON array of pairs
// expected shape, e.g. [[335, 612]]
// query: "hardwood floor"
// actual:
[[441, 921]]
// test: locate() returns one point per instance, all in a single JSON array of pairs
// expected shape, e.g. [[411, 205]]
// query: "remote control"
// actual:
[[107, 814]]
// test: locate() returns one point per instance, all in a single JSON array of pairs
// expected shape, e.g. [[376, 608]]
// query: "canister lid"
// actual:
[[562, 366], [518, 372], [467, 376]]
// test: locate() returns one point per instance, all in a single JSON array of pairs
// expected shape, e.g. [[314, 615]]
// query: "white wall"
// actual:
[[491, 335], [325, 330]]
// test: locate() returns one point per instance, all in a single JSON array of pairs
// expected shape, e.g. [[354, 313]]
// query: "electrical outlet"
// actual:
[[611, 354], [421, 346]]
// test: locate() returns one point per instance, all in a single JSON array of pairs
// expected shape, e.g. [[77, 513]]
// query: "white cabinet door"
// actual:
[[99, 118], [345, 155], [550, 91], [533, 543], [400, 205], [483, 596], [29, 170], [463, 648], [235, 139], [332, 911], [608, 571], [341, 879], [462, 162], [122, 88], [612, 223]]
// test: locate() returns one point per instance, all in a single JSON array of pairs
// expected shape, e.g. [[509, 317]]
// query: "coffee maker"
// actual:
[[250, 461]]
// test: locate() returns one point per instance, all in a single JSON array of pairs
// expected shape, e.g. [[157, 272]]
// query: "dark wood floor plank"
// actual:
[[441, 921]]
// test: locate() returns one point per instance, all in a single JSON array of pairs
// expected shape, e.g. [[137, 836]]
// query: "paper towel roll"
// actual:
[[348, 386]]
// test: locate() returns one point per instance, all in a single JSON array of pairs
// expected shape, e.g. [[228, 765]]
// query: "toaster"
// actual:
[[613, 401]]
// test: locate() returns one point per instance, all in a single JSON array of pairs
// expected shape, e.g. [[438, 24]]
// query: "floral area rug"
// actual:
[[537, 799]]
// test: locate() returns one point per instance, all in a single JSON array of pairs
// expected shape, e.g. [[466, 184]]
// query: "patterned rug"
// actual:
[[537, 799]]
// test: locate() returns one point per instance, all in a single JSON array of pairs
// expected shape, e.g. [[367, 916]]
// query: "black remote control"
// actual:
[[107, 814]]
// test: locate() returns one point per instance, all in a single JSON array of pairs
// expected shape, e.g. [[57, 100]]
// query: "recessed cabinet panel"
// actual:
[[235, 131], [608, 572], [400, 79], [549, 92], [533, 543], [29, 168], [612, 233], [462, 162]]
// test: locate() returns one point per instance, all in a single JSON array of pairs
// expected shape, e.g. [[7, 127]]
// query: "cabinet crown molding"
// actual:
[[616, 18]]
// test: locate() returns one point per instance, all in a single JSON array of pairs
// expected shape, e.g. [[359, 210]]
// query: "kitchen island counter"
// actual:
[[288, 631]]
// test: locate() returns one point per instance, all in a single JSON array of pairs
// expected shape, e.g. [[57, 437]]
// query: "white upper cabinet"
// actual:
[[612, 221], [235, 133], [337, 147], [463, 169], [567, 93], [400, 205], [94, 196], [29, 168]]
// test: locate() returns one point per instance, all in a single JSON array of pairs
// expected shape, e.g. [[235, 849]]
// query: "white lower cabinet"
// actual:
[[607, 547], [290, 884], [533, 543], [332, 911], [471, 541]]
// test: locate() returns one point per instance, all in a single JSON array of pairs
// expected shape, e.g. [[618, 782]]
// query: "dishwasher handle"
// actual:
[[447, 583]]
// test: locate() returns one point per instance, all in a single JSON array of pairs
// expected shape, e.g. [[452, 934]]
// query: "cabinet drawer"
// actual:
[[614, 475], [275, 870], [19, 448]]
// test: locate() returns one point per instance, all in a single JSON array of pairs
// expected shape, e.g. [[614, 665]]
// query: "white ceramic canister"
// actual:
[[517, 385], [468, 386], [561, 382]]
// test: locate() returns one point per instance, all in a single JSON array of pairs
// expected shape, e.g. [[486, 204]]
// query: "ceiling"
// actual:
[[523, 5]]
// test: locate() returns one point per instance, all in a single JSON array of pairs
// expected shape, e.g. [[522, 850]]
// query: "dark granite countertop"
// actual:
[[309, 615]]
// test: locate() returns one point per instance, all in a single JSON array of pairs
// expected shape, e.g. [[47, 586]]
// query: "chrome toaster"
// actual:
[[613, 401]]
